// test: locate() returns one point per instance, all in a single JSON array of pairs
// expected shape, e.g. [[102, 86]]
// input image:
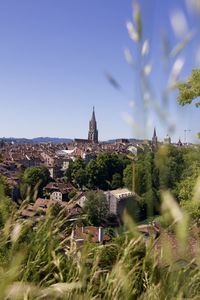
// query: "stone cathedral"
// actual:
[[93, 132]]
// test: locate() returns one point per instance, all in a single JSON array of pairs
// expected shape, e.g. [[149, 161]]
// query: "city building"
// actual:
[[93, 132], [89, 233], [154, 141], [167, 140], [179, 144], [119, 199]]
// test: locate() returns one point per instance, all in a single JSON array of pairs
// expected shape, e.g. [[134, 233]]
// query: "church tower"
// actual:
[[93, 132], [154, 141]]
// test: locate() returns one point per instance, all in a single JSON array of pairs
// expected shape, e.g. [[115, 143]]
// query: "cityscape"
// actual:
[[56, 156]]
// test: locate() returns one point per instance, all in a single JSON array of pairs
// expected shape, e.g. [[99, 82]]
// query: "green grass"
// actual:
[[36, 263]]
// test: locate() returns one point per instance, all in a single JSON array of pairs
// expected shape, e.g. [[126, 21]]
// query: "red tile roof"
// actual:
[[89, 233]]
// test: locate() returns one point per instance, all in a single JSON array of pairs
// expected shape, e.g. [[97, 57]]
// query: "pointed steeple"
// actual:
[[179, 142], [93, 114], [154, 141], [154, 133], [93, 132]]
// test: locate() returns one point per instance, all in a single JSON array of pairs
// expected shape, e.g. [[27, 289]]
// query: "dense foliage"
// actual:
[[169, 168], [33, 181], [7, 207], [96, 207], [190, 90], [105, 172], [4, 184]]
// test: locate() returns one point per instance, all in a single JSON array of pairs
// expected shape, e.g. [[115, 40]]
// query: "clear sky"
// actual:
[[53, 58]]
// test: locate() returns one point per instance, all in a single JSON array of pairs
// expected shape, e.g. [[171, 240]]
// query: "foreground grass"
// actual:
[[39, 262]]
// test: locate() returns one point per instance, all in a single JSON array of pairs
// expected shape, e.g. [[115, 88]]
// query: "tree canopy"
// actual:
[[4, 184], [34, 180], [105, 172], [7, 206], [96, 207], [190, 90]]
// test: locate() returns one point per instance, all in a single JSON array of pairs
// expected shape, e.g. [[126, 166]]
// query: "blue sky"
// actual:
[[53, 58]]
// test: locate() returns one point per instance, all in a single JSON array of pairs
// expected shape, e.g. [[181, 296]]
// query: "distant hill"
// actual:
[[37, 140], [51, 140]]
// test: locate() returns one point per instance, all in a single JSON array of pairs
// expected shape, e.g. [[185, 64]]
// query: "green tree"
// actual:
[[80, 177], [77, 172], [96, 207], [7, 206], [190, 90], [101, 171], [128, 177], [116, 181], [4, 184], [33, 181], [92, 174], [185, 189], [193, 210], [170, 163], [78, 164], [142, 176]]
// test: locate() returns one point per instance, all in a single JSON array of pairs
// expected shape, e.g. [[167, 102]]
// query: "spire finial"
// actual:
[[93, 114], [154, 132]]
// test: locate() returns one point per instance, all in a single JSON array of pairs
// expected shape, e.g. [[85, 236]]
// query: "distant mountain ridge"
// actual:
[[37, 140]]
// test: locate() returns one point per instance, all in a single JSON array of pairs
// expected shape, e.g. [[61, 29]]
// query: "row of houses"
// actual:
[[15, 158], [57, 156], [117, 200], [74, 212]]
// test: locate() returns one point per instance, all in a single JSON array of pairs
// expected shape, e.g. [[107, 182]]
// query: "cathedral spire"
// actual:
[[93, 132], [93, 114], [154, 133], [154, 141]]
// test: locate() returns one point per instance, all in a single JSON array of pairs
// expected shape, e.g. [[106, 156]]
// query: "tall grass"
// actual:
[[39, 261]]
